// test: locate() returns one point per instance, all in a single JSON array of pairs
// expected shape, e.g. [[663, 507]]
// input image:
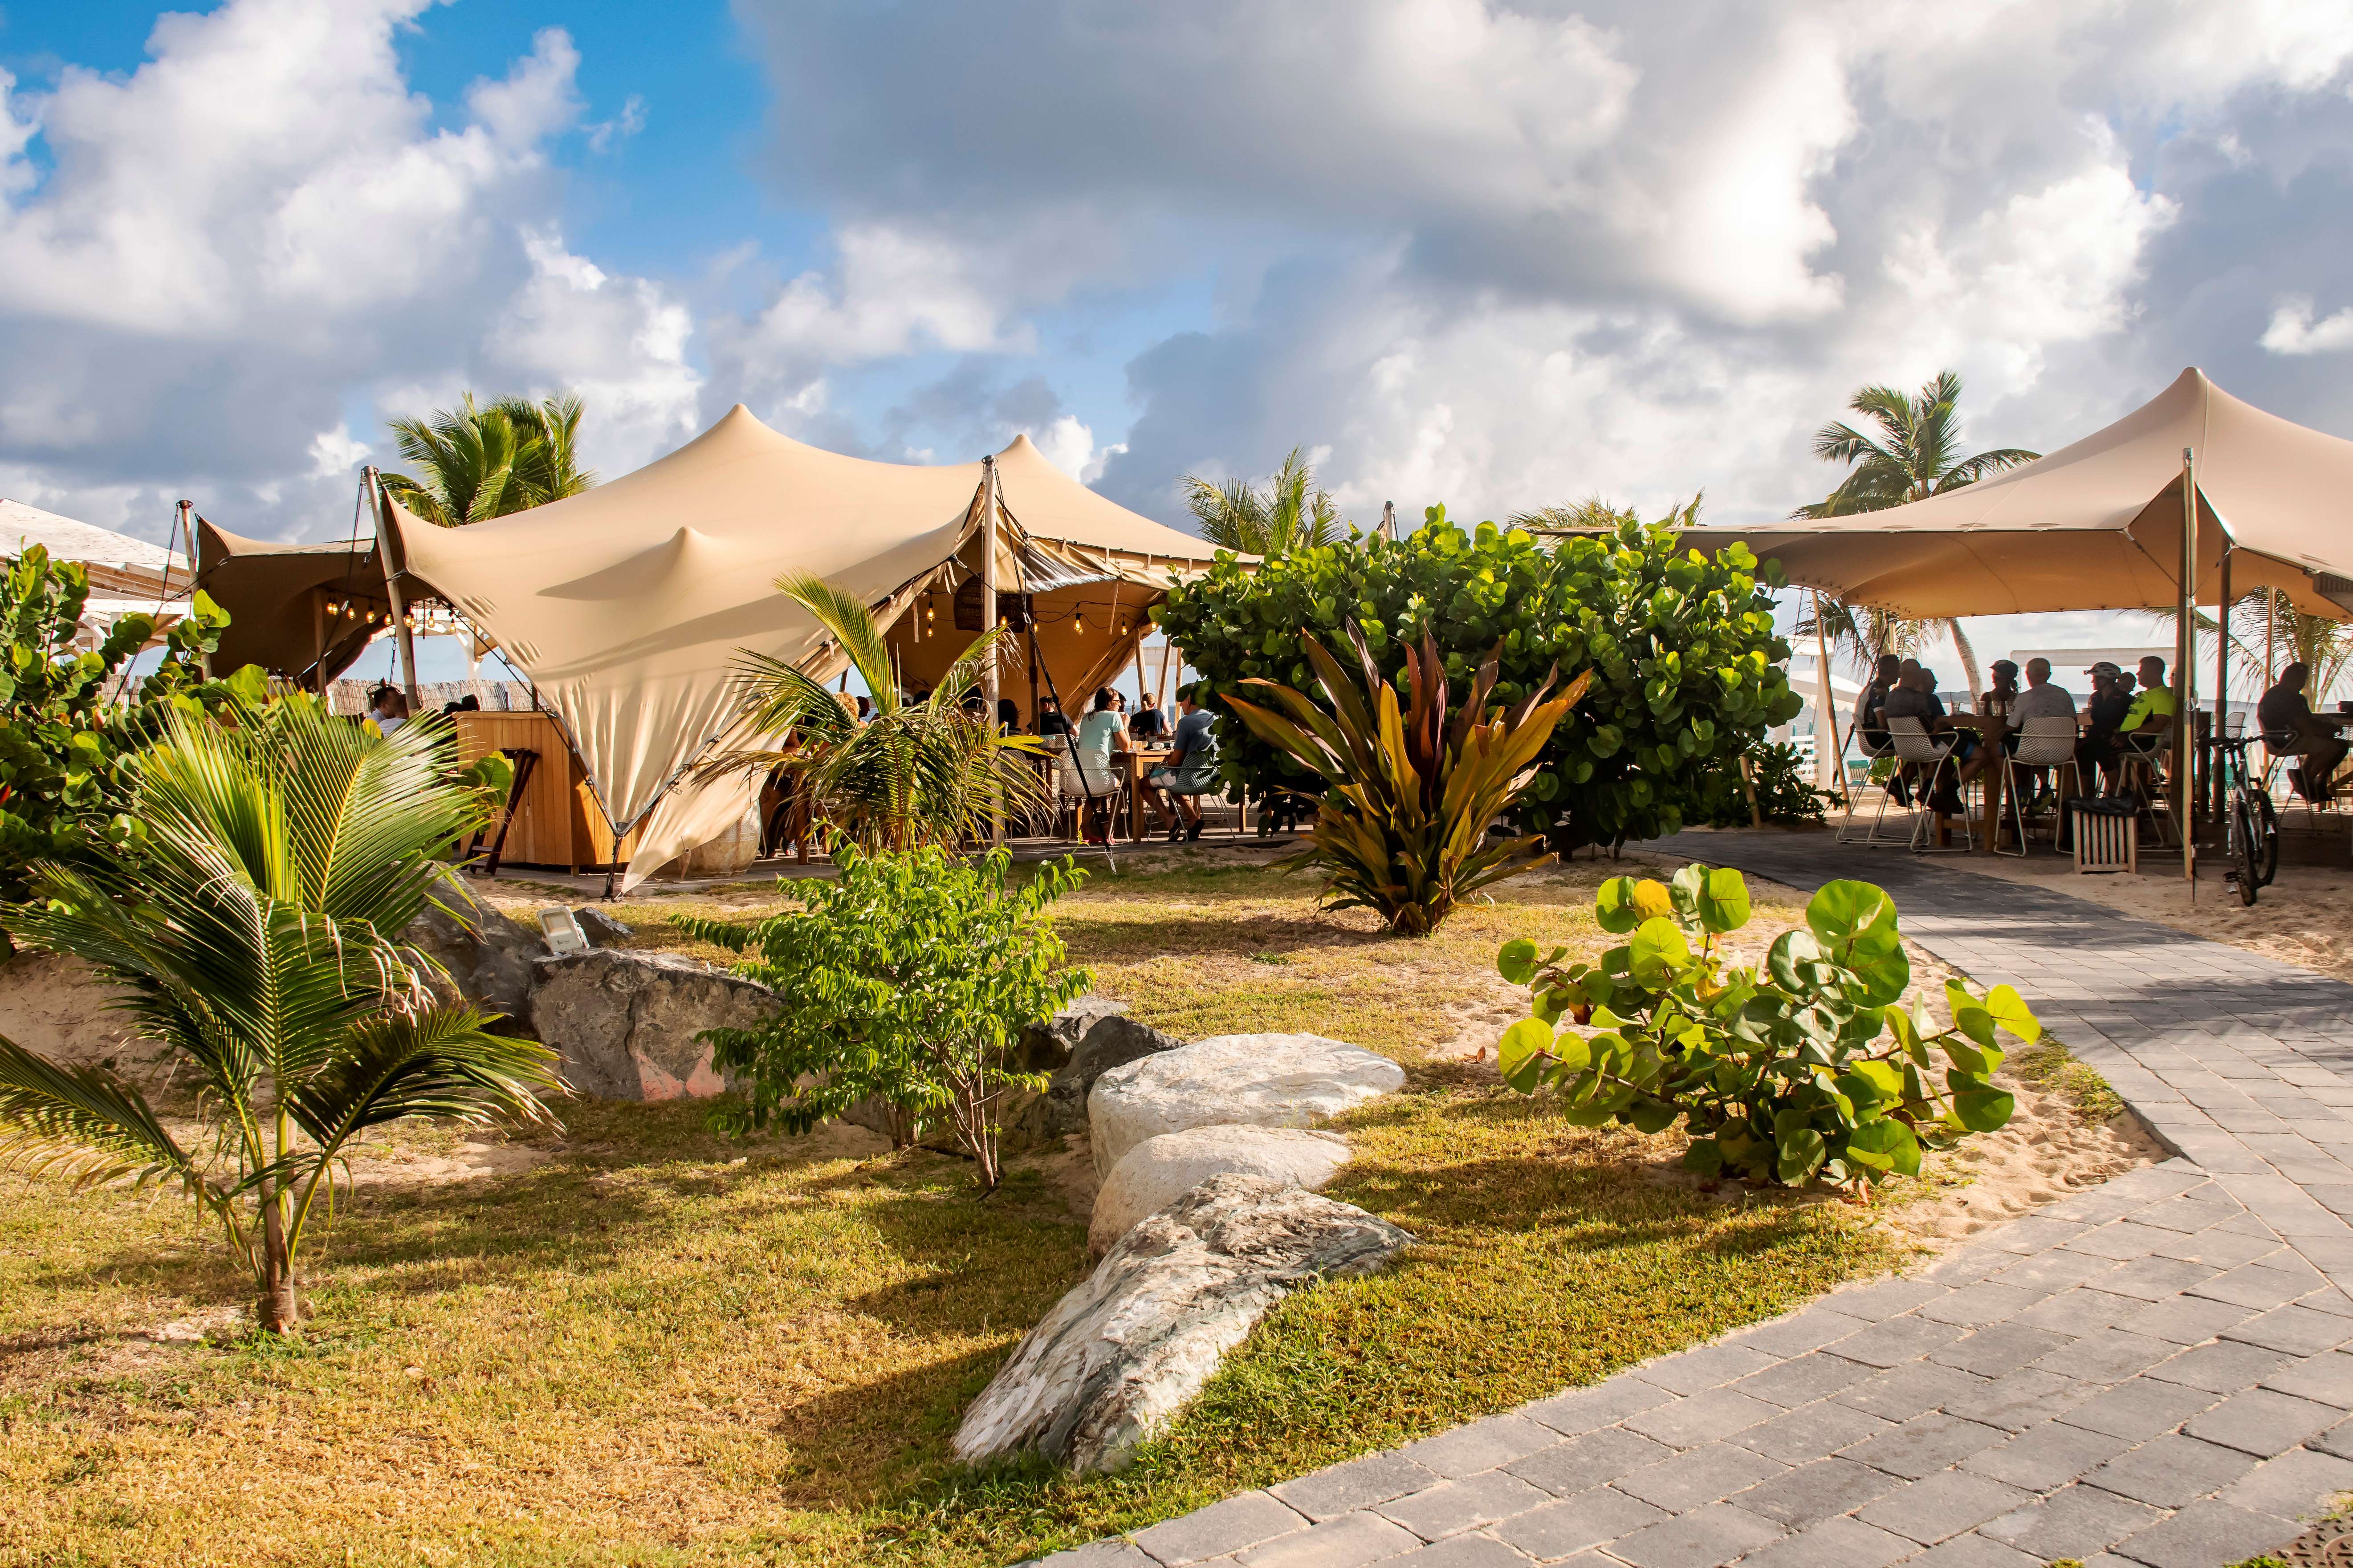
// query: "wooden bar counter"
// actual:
[[556, 821]]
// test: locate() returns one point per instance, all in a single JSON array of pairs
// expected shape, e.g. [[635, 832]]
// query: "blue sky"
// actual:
[[1494, 256]]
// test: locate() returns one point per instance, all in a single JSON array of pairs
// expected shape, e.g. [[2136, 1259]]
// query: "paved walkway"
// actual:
[[2157, 1372]]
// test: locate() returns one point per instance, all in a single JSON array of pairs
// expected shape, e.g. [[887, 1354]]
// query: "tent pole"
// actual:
[[1826, 702], [2185, 685], [319, 642], [401, 633], [2221, 680], [989, 607]]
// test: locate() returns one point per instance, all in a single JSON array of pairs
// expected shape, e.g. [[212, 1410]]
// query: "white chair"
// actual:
[[1870, 835], [2046, 742], [1078, 792], [1931, 755]]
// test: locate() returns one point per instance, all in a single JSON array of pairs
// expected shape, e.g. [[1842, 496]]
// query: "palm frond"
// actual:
[[86, 1125], [847, 619]]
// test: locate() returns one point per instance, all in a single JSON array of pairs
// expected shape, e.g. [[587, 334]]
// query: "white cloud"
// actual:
[[1069, 445], [2293, 330], [607, 134], [335, 453]]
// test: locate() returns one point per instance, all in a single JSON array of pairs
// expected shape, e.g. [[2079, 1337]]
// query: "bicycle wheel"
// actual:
[[2267, 839], [2242, 850]]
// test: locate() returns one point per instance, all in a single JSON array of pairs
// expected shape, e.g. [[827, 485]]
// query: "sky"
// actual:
[[1491, 256]]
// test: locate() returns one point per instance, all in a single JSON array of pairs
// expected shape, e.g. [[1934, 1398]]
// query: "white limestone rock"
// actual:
[[626, 1023], [1248, 1080], [1123, 1353], [1160, 1171]]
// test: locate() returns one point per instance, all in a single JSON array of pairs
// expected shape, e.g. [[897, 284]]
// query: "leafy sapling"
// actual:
[[1810, 1067]]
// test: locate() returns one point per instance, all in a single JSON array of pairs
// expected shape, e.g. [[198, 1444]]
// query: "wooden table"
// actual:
[[1139, 764]]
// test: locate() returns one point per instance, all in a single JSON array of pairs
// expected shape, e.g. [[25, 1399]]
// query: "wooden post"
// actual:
[[385, 550], [2185, 684], [2222, 680], [319, 640], [1748, 787], [988, 605], [1826, 700]]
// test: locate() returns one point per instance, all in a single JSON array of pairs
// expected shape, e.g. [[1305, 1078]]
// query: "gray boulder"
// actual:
[[1248, 1080], [487, 954], [1106, 1038], [1122, 1353], [1160, 1171], [599, 927], [624, 1024]]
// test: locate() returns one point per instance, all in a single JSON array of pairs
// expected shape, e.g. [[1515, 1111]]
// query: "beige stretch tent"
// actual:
[[626, 605], [2097, 525]]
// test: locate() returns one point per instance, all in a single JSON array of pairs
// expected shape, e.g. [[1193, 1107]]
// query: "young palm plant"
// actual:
[[917, 772], [475, 463], [259, 937], [1403, 828]]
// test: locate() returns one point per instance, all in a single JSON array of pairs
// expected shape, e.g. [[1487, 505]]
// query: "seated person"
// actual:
[[1914, 697], [2000, 701], [1148, 723], [1101, 733], [2043, 698], [2290, 728], [2104, 713], [1009, 716], [1191, 770], [1869, 725], [1049, 719], [2151, 713]]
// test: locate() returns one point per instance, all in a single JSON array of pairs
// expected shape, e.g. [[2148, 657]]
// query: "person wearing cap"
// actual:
[[2104, 715]]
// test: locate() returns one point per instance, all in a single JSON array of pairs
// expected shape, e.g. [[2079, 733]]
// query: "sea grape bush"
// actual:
[[1809, 1066], [1687, 672]]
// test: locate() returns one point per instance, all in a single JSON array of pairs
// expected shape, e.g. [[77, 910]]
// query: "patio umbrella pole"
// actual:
[[2185, 651]]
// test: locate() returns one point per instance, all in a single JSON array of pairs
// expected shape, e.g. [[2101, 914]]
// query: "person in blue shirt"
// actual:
[[1191, 770]]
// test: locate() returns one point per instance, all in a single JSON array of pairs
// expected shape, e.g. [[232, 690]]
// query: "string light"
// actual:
[[1079, 617]]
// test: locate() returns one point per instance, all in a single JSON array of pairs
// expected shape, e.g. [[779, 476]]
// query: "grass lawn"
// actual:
[[658, 1347]]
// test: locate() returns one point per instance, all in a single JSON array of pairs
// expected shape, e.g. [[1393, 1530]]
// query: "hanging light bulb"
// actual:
[[1079, 617], [931, 612], [1122, 626]]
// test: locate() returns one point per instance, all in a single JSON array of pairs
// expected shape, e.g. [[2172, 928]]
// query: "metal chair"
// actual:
[[1870, 835], [2140, 760], [2047, 742], [1933, 756]]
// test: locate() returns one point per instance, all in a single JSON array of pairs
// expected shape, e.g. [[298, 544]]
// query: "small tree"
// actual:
[[907, 978], [257, 935], [69, 745]]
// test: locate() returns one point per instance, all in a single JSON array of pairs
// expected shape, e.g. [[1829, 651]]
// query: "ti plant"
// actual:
[[1810, 1065], [1402, 828]]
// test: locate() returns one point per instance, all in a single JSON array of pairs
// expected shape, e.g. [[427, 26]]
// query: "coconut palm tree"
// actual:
[[1595, 515], [1291, 513], [915, 773], [258, 935], [1914, 455], [480, 463]]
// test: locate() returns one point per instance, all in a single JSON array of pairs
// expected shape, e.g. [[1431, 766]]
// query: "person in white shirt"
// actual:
[[390, 711], [2041, 699]]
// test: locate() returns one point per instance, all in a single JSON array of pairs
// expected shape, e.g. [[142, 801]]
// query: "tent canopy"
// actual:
[[2097, 525], [629, 604]]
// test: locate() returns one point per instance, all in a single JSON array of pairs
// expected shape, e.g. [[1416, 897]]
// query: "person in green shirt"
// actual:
[[2154, 707]]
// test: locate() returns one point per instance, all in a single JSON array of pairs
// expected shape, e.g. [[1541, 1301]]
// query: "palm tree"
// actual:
[[915, 773], [480, 463], [1595, 515], [258, 936], [2280, 635], [1911, 457], [1291, 513]]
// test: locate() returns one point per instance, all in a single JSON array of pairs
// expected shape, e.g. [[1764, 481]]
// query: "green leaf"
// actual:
[[1798, 1154], [1855, 924], [1884, 1145], [1983, 1109], [1786, 961], [1724, 901], [1613, 906], [2010, 1010], [1658, 952], [1519, 1054], [1705, 1157], [1516, 961]]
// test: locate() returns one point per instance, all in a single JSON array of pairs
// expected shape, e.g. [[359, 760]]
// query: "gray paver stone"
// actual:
[[1581, 1410], [1573, 1524], [1925, 1444], [1461, 1551], [2326, 1378], [1348, 1541], [1972, 1550], [2046, 1456], [1701, 1419], [2140, 1409], [1800, 1331], [2205, 1534], [1705, 1537], [1884, 1298], [1896, 1340], [1451, 1507], [2225, 1366], [2110, 1355], [1817, 1491], [2185, 1319], [2257, 1286], [2020, 1399], [2297, 1329], [1982, 1303], [1820, 1429], [1579, 1464], [1480, 1445], [1709, 1473], [1833, 1543], [2074, 1521], [1112, 1554], [2004, 1347], [2156, 1278], [1803, 1379], [1218, 1529], [1358, 1483], [2297, 1485], [1707, 1367], [2083, 1309], [1904, 1392], [1942, 1506], [2262, 1423], [2171, 1471]]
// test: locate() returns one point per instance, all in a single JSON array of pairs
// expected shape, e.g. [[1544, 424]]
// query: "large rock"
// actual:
[[1160, 1171], [624, 1023], [487, 954], [1119, 1355], [1253, 1080], [57, 1007], [1102, 1036]]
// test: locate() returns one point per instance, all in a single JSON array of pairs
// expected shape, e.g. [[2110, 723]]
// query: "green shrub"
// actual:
[[1403, 828], [906, 978], [1784, 783], [68, 743], [1687, 672], [1809, 1066]]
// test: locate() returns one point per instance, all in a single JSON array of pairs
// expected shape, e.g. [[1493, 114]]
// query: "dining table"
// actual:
[[1139, 763]]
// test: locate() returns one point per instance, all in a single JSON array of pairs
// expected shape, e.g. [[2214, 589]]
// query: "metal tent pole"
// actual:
[[2185, 683]]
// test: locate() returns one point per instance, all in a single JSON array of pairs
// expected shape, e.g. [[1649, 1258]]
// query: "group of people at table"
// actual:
[[2115, 725], [1106, 732]]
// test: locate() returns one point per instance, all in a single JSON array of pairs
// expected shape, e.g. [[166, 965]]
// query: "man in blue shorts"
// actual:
[[1191, 770]]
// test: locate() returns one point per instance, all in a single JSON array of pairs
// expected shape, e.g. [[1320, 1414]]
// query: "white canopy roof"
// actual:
[[67, 539], [2097, 525]]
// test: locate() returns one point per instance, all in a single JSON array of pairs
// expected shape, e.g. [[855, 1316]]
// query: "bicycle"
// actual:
[[2252, 852]]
